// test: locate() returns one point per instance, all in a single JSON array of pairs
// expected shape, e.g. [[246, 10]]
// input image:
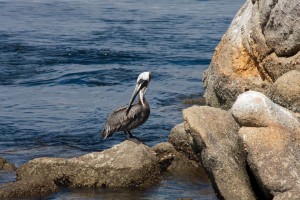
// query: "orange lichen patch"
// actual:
[[243, 64]]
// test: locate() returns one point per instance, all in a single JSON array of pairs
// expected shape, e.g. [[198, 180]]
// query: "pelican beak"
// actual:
[[137, 88]]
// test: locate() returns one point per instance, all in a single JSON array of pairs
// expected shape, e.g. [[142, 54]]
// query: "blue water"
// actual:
[[65, 64]]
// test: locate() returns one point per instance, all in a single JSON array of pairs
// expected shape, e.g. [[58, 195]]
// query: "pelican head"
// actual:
[[140, 88]]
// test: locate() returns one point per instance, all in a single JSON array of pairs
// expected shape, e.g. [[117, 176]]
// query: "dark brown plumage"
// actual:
[[129, 117], [119, 121]]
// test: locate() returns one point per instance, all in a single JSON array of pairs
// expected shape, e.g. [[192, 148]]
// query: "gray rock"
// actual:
[[214, 131], [5, 165], [29, 188], [166, 154], [278, 66], [286, 90], [255, 109], [261, 44], [280, 24], [183, 142], [128, 164], [273, 155], [177, 163], [292, 194]]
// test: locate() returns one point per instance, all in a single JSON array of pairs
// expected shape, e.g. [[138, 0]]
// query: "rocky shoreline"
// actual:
[[250, 150], [130, 164]]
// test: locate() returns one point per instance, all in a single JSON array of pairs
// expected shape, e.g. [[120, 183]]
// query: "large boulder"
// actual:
[[215, 133], [129, 164], [261, 45]]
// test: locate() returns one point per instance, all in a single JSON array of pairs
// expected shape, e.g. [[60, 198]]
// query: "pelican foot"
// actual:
[[135, 140]]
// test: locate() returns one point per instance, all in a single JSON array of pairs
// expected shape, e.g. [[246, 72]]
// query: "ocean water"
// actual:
[[66, 64]]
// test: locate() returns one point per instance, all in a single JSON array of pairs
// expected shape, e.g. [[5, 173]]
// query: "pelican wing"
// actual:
[[119, 121]]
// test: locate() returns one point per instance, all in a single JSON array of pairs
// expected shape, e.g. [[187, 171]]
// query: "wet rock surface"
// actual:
[[261, 45]]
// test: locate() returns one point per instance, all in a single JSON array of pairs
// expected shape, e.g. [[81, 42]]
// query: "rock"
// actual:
[[165, 153], [280, 23], [176, 163], [270, 135], [261, 44], [273, 155], [214, 131], [255, 109], [290, 195], [183, 142], [128, 164], [286, 90], [5, 165], [33, 187]]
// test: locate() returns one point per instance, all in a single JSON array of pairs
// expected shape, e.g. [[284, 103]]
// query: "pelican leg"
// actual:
[[128, 134]]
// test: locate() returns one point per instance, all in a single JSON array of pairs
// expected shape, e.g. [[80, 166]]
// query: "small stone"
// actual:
[[5, 165]]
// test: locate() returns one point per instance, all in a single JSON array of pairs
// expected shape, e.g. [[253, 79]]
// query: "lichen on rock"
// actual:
[[261, 45]]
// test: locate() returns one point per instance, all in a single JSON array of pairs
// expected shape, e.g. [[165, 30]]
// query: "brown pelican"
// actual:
[[129, 117]]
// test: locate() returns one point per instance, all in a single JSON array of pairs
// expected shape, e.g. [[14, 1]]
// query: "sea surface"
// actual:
[[66, 64]]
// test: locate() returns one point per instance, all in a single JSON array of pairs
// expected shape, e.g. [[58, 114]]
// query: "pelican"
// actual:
[[135, 114]]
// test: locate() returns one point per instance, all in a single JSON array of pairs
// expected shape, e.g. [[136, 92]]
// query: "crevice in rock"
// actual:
[[222, 101], [165, 161], [104, 185], [63, 181], [255, 187], [264, 24], [292, 52], [262, 71]]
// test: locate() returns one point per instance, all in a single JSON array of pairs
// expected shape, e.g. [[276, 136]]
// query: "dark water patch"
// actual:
[[190, 62], [89, 78]]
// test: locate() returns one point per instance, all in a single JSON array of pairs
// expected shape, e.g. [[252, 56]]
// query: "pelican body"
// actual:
[[135, 114]]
